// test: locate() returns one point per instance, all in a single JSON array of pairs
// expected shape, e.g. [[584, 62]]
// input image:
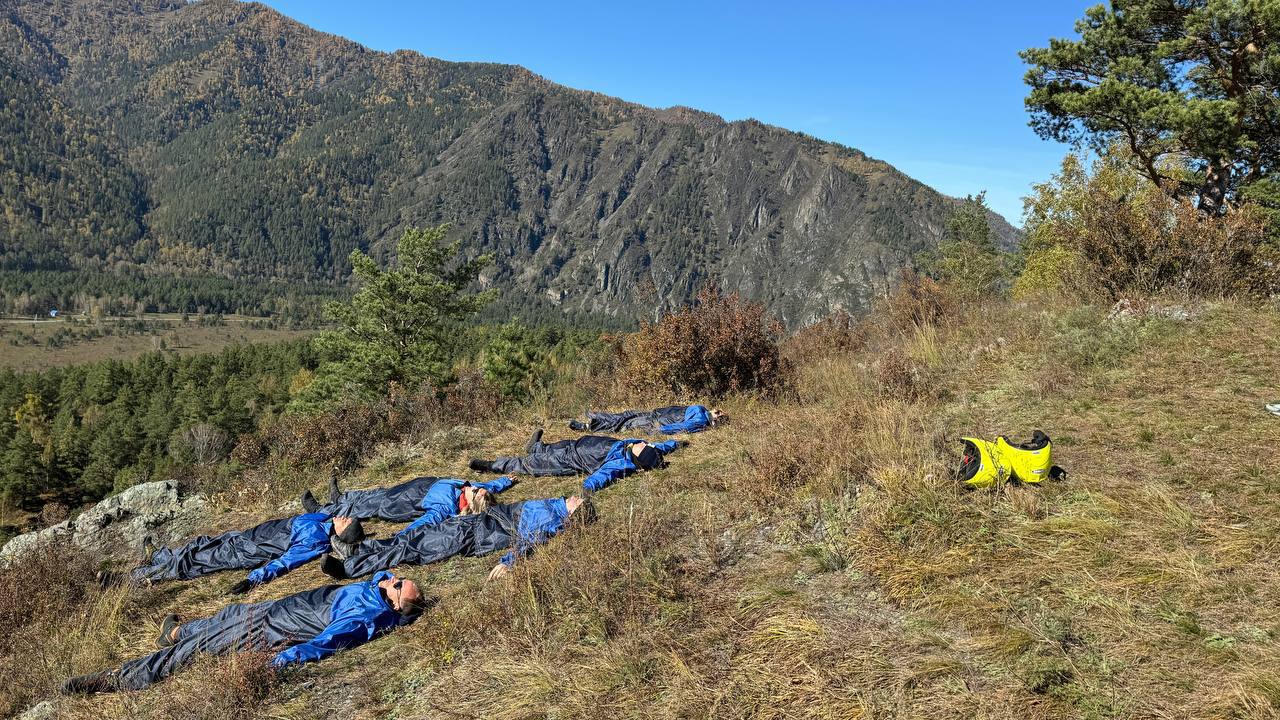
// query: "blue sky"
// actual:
[[934, 88]]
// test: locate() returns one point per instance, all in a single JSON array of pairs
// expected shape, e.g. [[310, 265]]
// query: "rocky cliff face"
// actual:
[[267, 149]]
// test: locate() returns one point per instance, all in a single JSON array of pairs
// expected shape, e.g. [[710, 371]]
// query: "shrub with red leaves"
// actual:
[[722, 344]]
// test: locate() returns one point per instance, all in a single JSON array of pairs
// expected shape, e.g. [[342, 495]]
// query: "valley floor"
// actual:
[[27, 345]]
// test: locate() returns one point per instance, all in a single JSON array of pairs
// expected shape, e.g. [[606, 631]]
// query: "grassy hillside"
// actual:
[[814, 558]]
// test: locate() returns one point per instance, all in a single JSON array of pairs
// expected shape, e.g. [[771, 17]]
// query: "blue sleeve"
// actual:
[[605, 475], [686, 426], [340, 635], [295, 556], [525, 542], [495, 486], [666, 446], [432, 497]]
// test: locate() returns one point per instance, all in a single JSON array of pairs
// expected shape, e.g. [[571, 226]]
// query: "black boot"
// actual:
[[148, 549], [99, 682], [482, 466], [333, 567], [577, 425], [309, 502], [335, 494], [166, 631], [532, 446], [109, 579]]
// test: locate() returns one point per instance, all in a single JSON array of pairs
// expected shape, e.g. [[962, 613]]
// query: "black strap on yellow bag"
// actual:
[[984, 463]]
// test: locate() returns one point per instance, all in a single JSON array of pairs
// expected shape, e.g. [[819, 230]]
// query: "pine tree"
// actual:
[[1168, 79], [398, 326], [515, 359], [967, 257]]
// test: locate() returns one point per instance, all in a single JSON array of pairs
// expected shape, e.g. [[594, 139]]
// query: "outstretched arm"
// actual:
[[604, 475], [523, 545], [296, 556], [340, 635], [667, 446], [497, 485]]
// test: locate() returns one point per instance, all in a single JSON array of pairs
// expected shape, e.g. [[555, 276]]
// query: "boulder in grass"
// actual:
[[119, 525]]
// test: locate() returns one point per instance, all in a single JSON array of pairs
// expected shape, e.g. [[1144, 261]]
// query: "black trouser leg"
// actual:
[[396, 504], [553, 459], [422, 546], [204, 555], [230, 629]]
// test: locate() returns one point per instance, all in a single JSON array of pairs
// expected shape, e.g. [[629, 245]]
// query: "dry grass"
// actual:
[[53, 623], [184, 339], [814, 558], [230, 687]]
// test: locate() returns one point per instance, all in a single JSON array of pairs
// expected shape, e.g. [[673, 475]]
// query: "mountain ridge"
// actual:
[[271, 150]]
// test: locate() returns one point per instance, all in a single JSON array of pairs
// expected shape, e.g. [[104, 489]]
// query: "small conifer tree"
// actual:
[[397, 327]]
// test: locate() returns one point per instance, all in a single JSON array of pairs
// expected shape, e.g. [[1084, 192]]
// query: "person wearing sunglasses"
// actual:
[[424, 500], [300, 628], [607, 459], [515, 527], [669, 420]]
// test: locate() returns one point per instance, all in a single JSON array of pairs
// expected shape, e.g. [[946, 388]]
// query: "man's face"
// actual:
[[638, 447], [340, 525], [400, 591]]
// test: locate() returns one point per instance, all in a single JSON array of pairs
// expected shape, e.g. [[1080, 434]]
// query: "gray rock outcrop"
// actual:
[[117, 526], [43, 711]]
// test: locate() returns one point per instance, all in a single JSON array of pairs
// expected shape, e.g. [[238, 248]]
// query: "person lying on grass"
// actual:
[[424, 500], [301, 628], [606, 458], [668, 420], [272, 548], [516, 527]]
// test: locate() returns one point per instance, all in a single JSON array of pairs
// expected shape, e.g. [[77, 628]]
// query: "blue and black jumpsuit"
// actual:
[[426, 500], [272, 548], [605, 458], [303, 627], [515, 527], [668, 420]]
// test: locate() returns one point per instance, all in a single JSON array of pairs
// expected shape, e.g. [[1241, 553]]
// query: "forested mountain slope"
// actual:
[[222, 138]]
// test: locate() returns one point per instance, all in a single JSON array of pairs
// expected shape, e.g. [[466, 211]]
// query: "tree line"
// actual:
[[76, 434], [129, 292]]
